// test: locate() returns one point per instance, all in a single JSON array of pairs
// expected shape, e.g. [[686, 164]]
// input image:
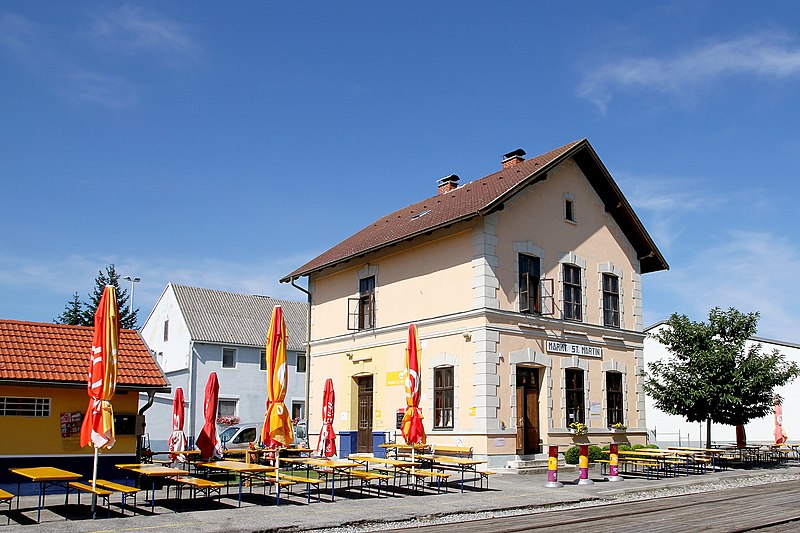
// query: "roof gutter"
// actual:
[[308, 346]]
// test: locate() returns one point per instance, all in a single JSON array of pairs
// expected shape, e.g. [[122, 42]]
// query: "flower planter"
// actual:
[[616, 430]]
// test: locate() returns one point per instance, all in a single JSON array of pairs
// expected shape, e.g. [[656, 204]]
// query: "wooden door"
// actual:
[[365, 414], [527, 411]]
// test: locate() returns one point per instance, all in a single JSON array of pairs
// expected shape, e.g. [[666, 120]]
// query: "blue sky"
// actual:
[[224, 144]]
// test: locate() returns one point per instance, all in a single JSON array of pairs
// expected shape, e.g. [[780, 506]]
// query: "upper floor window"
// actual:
[[574, 395], [569, 207], [610, 300], [529, 279], [443, 397], [361, 310], [166, 330], [262, 365], [301, 362], [228, 358], [614, 406], [572, 293]]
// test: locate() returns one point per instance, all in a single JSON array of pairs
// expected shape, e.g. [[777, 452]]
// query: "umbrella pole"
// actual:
[[412, 460], [278, 472], [94, 482]]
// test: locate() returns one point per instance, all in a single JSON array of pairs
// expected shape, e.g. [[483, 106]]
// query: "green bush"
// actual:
[[595, 454], [572, 455]]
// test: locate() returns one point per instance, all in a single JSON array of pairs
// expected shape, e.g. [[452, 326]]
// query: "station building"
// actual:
[[526, 289]]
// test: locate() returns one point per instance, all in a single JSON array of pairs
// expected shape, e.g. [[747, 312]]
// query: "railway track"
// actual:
[[764, 508]]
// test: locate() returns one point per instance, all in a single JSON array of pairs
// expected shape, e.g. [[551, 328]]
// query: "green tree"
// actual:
[[73, 312], [127, 318], [711, 375]]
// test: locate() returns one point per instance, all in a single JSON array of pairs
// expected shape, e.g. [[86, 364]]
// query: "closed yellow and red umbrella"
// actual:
[[413, 430], [277, 431], [98, 425]]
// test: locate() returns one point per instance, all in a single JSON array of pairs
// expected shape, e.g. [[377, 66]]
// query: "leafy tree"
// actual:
[[127, 318], [711, 375], [73, 312]]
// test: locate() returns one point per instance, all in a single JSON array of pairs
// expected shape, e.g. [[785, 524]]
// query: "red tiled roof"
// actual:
[[42, 352], [479, 197]]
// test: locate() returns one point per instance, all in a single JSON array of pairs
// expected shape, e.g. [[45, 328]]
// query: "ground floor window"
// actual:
[[11, 406], [574, 394], [443, 397], [614, 406]]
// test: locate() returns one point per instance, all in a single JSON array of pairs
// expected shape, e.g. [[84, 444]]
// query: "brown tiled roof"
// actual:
[[36, 352], [481, 197]]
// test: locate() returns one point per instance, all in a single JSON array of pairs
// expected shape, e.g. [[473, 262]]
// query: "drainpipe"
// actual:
[[190, 387], [151, 395], [308, 349]]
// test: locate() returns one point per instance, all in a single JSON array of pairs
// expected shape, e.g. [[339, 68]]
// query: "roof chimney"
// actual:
[[447, 184], [513, 158]]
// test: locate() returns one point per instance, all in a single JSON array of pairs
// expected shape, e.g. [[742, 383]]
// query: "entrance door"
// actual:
[[527, 411], [365, 414]]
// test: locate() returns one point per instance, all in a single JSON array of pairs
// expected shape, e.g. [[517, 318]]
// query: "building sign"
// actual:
[[394, 379], [573, 349]]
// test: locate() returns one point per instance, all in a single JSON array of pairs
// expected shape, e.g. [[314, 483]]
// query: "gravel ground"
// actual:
[[643, 494]]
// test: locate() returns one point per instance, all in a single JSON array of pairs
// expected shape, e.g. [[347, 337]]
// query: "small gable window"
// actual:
[[569, 208]]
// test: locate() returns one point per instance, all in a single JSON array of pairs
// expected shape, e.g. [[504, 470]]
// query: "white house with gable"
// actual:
[[671, 429], [192, 332]]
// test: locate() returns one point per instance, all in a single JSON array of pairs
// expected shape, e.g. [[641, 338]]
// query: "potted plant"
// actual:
[[578, 428], [619, 427], [227, 420]]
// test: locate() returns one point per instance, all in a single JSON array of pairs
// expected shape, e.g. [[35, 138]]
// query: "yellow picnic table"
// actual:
[[152, 471], [243, 469], [463, 464], [332, 466], [45, 476]]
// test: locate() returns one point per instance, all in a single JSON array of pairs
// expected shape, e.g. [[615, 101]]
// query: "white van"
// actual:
[[241, 435]]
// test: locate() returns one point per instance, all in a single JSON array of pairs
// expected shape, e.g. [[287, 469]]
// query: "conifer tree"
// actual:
[[73, 312], [127, 318]]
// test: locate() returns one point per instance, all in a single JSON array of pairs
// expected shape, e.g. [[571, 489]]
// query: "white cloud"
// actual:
[[766, 56], [751, 271], [37, 289], [667, 203], [92, 87], [17, 33], [134, 30]]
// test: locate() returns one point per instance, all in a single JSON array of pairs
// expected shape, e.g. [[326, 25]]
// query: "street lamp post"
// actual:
[[133, 280]]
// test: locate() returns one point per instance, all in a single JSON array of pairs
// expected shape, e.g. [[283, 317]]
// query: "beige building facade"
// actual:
[[525, 286]]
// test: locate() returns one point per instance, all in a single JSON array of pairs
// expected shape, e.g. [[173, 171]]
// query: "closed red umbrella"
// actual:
[[177, 441], [413, 430], [326, 446], [208, 441], [780, 434], [98, 425]]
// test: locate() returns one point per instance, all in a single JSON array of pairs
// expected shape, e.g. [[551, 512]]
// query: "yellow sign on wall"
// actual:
[[394, 378], [471, 411]]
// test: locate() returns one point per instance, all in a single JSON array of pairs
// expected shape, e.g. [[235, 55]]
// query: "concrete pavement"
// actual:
[[259, 513]]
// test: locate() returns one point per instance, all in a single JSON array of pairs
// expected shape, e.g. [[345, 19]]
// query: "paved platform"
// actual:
[[257, 513]]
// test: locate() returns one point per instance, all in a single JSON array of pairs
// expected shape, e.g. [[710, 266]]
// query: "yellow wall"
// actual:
[[42, 436], [408, 287]]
